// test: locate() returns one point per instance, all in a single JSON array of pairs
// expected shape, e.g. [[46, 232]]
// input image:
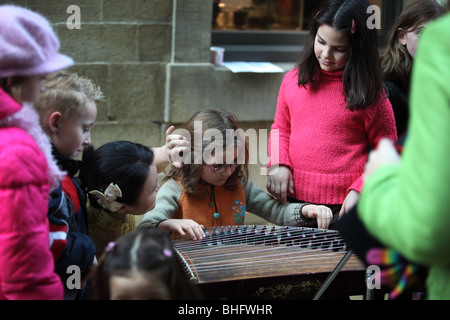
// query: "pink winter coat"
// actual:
[[26, 264]]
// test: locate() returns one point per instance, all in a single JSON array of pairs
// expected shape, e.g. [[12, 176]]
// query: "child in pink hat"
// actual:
[[28, 51]]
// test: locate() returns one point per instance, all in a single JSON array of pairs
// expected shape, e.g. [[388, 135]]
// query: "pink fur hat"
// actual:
[[28, 44]]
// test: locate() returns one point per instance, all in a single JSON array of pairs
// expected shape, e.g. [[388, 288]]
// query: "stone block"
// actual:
[[99, 74], [146, 133], [155, 43], [185, 99], [137, 11], [137, 92], [99, 42], [192, 31], [250, 96]]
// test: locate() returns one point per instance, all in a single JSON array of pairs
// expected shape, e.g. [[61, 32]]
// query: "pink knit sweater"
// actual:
[[326, 145]]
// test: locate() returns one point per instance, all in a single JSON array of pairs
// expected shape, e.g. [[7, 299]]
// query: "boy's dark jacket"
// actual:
[[69, 240]]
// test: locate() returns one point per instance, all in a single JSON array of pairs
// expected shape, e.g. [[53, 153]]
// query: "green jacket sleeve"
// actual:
[[166, 205], [271, 209], [406, 206]]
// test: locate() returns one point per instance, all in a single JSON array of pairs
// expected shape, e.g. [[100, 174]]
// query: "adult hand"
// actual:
[[176, 146]]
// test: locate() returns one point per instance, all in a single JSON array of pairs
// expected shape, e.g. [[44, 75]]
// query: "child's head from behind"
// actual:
[[141, 266], [340, 39], [219, 152], [68, 111], [120, 176]]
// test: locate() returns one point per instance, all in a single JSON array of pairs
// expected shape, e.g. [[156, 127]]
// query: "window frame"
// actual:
[[283, 46]]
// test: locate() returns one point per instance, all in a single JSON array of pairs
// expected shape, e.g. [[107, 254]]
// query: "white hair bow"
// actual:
[[107, 199]]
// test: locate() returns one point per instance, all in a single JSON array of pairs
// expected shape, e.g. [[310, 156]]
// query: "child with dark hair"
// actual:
[[120, 179], [213, 189], [68, 111], [331, 109], [142, 265]]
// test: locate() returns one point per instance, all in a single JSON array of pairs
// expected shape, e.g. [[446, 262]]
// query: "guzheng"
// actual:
[[269, 262]]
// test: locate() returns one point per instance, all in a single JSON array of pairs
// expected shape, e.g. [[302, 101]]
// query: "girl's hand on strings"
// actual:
[[323, 214], [183, 227], [280, 183]]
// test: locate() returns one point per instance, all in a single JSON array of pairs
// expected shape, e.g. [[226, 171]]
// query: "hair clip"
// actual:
[[107, 199], [167, 253], [315, 17], [353, 26], [110, 246]]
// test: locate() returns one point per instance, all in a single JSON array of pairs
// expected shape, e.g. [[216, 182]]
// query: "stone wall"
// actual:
[[124, 47], [152, 60]]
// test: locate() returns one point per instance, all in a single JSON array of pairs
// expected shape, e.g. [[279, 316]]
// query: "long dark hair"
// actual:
[[396, 62], [146, 251], [362, 73], [124, 163]]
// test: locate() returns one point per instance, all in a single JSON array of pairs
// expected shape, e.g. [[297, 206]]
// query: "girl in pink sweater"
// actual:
[[331, 110]]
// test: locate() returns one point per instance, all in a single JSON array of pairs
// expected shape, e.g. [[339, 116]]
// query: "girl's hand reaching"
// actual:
[[384, 154], [183, 226], [349, 202], [323, 214], [280, 183]]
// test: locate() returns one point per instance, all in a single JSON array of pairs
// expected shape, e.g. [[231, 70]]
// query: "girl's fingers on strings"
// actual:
[[192, 234], [196, 233], [199, 232], [180, 231]]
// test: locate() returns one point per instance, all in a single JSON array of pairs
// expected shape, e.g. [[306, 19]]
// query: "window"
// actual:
[[272, 30], [274, 15]]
